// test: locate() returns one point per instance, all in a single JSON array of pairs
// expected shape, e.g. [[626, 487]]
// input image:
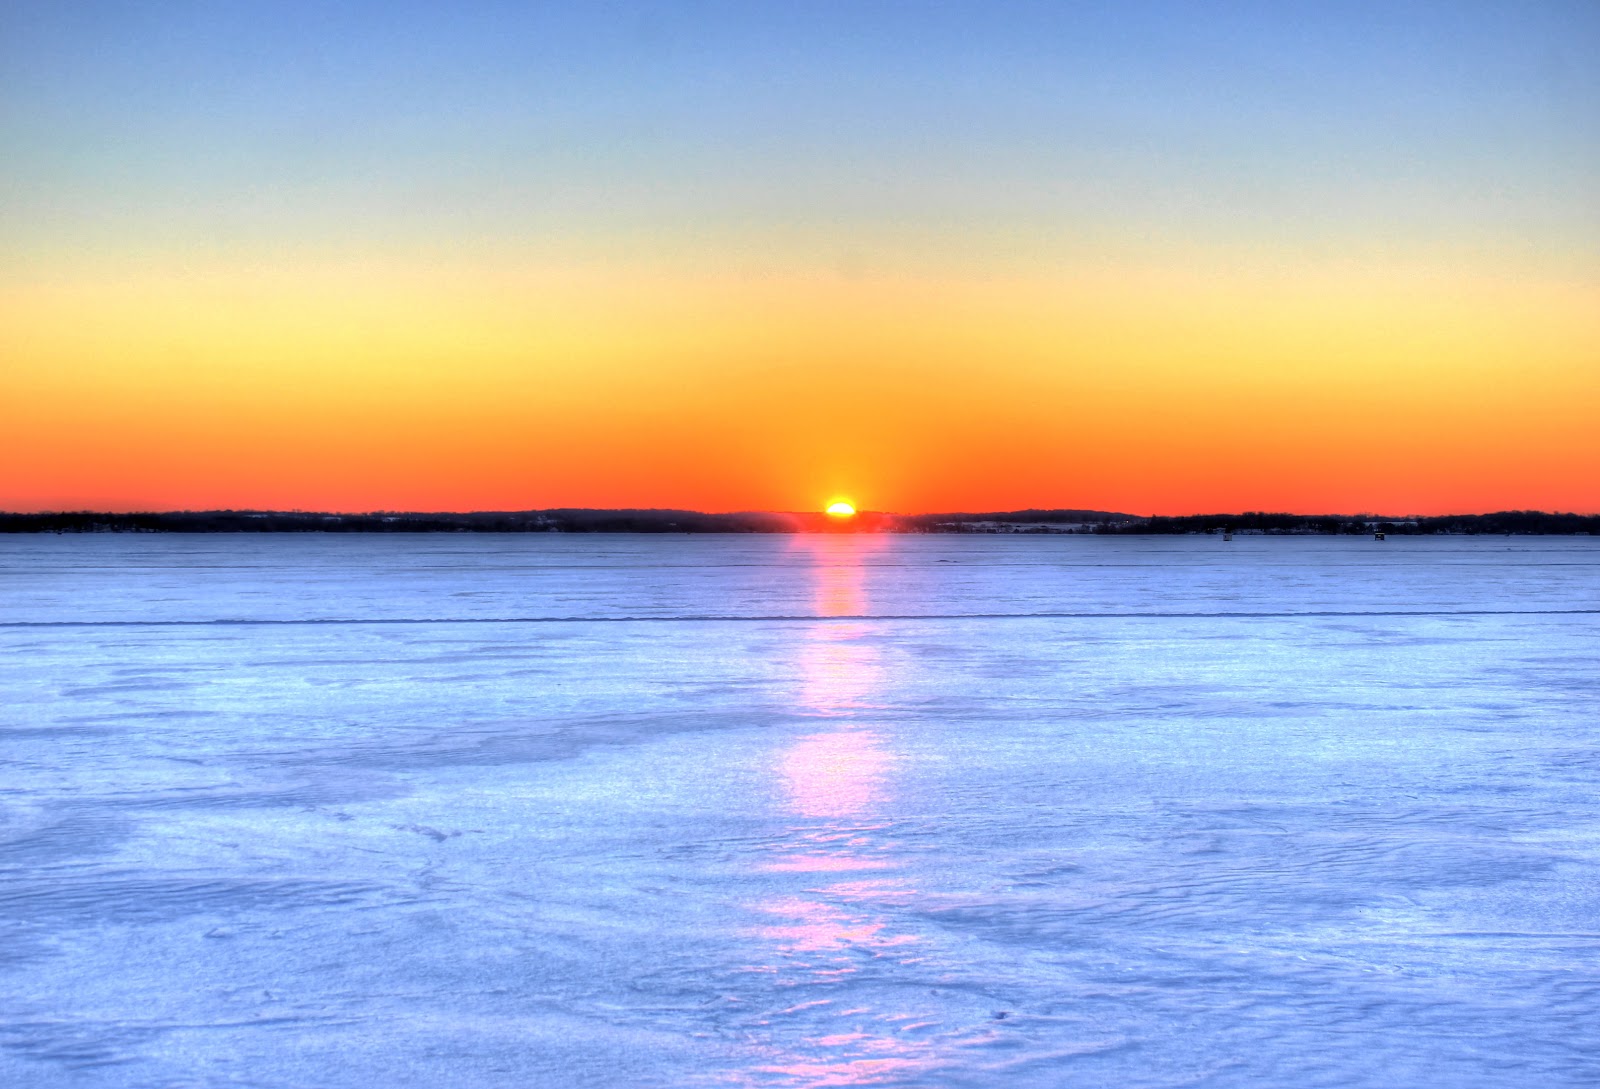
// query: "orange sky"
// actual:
[[1148, 258], [383, 385]]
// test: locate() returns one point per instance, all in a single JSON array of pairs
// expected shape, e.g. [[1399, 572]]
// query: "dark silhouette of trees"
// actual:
[[575, 520]]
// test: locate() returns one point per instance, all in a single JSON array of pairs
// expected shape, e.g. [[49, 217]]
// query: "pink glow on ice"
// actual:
[[838, 774], [833, 783]]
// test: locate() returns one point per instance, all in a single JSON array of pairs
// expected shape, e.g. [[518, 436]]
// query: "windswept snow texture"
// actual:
[[546, 811]]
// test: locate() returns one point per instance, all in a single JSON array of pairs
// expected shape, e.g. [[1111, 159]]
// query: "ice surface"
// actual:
[[1082, 811]]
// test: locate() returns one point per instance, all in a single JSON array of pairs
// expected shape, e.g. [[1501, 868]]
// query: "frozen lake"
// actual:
[[550, 811]]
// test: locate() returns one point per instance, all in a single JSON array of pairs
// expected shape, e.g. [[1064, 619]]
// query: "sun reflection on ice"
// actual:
[[837, 787], [836, 774], [808, 926]]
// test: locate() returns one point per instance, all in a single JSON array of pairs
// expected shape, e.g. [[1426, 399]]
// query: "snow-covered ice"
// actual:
[[550, 811]]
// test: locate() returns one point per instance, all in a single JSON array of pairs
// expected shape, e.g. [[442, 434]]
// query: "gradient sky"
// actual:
[[1164, 257]]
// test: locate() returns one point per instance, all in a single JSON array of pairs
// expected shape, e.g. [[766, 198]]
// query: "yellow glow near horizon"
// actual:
[[362, 384], [841, 509]]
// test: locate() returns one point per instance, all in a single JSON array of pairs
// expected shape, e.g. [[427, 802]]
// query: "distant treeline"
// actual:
[[683, 521], [1014, 521], [532, 521], [1506, 521]]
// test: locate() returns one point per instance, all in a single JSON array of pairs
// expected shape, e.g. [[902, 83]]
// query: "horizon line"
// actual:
[[861, 513]]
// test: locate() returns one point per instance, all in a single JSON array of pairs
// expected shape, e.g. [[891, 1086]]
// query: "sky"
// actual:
[[1148, 257]]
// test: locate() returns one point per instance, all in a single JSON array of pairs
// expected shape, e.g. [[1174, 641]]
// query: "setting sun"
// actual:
[[841, 509]]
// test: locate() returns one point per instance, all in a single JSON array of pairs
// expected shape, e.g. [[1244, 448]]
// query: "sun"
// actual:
[[841, 509]]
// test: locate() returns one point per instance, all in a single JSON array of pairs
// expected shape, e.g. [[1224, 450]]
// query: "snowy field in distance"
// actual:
[[549, 811]]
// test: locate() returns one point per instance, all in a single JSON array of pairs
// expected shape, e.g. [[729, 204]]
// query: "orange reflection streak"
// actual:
[[837, 784], [839, 567], [838, 773]]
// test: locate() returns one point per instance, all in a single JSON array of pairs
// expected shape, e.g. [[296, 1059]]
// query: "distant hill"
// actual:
[[531, 521], [1019, 521], [582, 520], [1500, 522]]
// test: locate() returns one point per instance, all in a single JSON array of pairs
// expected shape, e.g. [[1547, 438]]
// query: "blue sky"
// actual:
[[1340, 125]]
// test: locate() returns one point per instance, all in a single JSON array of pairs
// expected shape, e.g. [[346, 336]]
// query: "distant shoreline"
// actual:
[[572, 520]]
